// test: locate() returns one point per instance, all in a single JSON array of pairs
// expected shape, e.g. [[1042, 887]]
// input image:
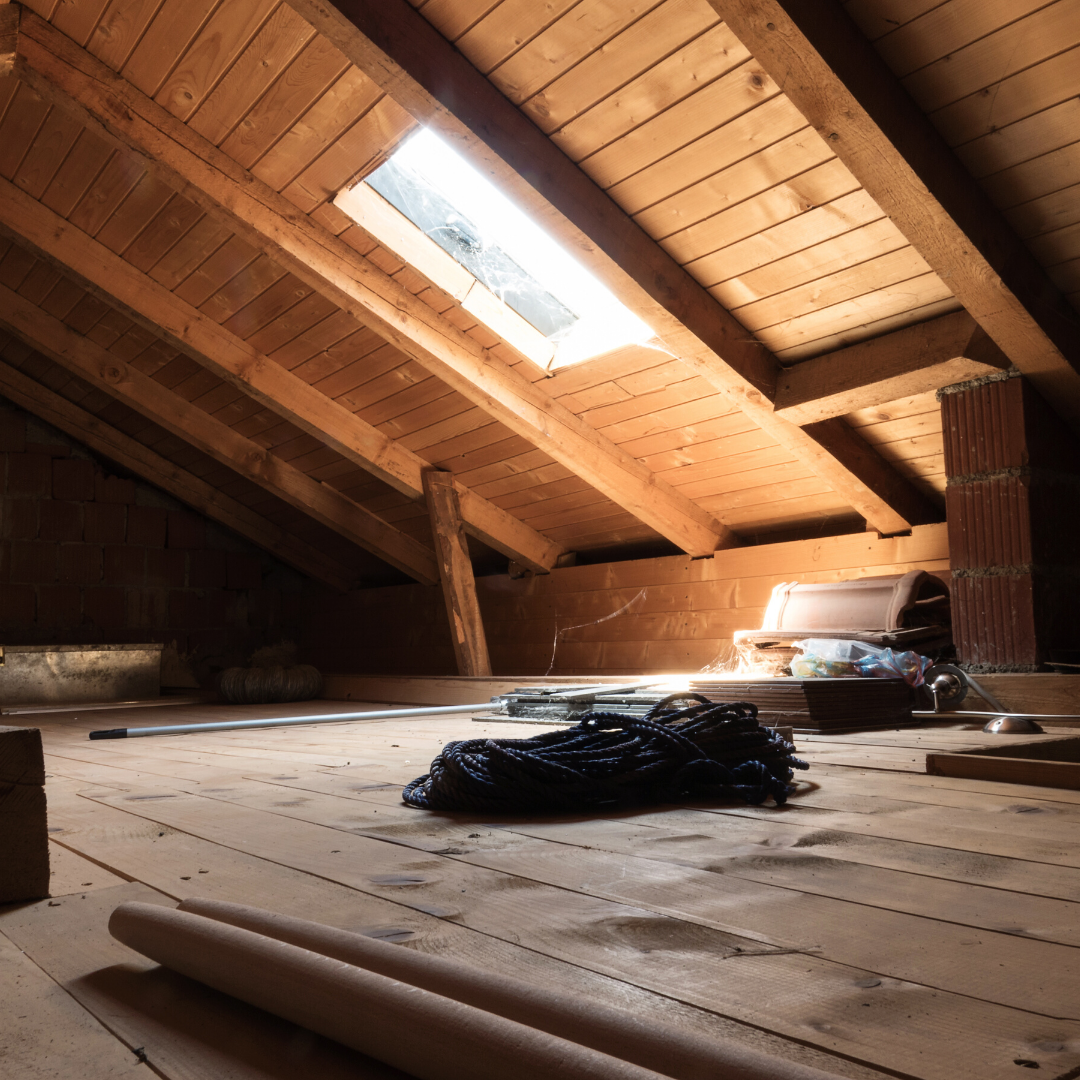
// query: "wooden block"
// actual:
[[24, 837], [9, 37]]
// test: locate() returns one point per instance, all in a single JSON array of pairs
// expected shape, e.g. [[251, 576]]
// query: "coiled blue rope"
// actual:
[[703, 751]]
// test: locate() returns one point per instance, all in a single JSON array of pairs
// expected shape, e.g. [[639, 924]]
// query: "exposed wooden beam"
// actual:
[[272, 385], [62, 72], [88, 360], [154, 469], [456, 574], [9, 36], [407, 58], [835, 77], [928, 356]]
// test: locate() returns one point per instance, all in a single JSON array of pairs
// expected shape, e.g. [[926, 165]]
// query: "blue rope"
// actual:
[[703, 751]]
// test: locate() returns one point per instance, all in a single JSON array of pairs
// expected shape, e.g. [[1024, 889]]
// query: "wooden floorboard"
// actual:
[[885, 922]]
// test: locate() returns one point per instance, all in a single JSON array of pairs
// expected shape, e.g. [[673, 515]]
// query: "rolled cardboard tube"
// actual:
[[632, 1037], [429, 1036]]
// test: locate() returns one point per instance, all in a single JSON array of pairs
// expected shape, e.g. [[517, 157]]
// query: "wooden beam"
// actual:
[[407, 57], [456, 574], [231, 358], [928, 356], [9, 36], [835, 77], [154, 469], [60, 71], [102, 370]]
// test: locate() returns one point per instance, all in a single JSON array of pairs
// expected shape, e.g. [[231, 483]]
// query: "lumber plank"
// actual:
[[185, 486], [234, 360], [118, 839], [175, 414], [913, 360], [24, 844], [456, 575], [410, 60], [45, 1034], [837, 80], [972, 904], [673, 956], [9, 37], [327, 264], [72, 874], [183, 1030], [1063, 774]]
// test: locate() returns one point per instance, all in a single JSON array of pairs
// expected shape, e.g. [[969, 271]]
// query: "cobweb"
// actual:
[[595, 622]]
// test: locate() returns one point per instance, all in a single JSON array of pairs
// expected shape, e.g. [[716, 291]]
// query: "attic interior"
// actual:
[[645, 379]]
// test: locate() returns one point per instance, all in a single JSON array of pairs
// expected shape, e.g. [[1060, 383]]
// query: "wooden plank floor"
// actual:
[[885, 923]]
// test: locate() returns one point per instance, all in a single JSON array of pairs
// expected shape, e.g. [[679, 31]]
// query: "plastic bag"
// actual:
[[837, 657]]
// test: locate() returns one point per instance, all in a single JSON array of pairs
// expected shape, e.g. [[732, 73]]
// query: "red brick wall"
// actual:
[[88, 557]]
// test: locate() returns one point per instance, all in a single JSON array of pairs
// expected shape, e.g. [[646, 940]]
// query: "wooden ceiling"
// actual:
[[174, 267]]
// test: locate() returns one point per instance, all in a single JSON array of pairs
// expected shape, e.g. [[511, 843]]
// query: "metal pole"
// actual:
[[285, 721]]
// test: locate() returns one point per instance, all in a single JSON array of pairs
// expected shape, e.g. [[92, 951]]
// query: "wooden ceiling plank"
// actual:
[[232, 359], [162, 473], [918, 358], [103, 371], [843, 87], [335, 270], [654, 285], [9, 37], [410, 60]]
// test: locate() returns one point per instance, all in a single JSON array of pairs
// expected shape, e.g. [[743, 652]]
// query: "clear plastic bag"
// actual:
[[837, 657]]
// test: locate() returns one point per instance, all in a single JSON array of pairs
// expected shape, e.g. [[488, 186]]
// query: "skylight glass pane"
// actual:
[[409, 192], [469, 218]]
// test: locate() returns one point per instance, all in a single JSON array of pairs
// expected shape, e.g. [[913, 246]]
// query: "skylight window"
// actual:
[[574, 316]]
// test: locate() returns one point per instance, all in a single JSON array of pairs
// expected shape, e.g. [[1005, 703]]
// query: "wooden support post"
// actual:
[[455, 570], [9, 36], [1013, 503], [24, 834]]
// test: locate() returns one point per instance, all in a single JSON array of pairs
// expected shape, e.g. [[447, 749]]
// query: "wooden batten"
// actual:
[[183, 485], [928, 356], [272, 225], [408, 58], [9, 36], [456, 575], [837, 80], [190, 423]]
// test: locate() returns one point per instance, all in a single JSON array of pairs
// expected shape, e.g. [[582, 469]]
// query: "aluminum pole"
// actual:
[[285, 721]]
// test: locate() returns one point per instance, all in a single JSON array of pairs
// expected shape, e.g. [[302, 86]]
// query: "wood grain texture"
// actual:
[[456, 575], [837, 80], [24, 838], [174, 413], [185, 486], [344, 276], [909, 361], [408, 58]]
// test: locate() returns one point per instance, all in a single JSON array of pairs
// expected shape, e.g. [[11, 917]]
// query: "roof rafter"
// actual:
[[88, 360], [927, 356], [231, 358], [106, 440], [62, 72], [836, 79], [410, 60]]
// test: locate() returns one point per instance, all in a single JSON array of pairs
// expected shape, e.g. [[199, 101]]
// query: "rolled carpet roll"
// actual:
[[429, 1036], [678, 1054]]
